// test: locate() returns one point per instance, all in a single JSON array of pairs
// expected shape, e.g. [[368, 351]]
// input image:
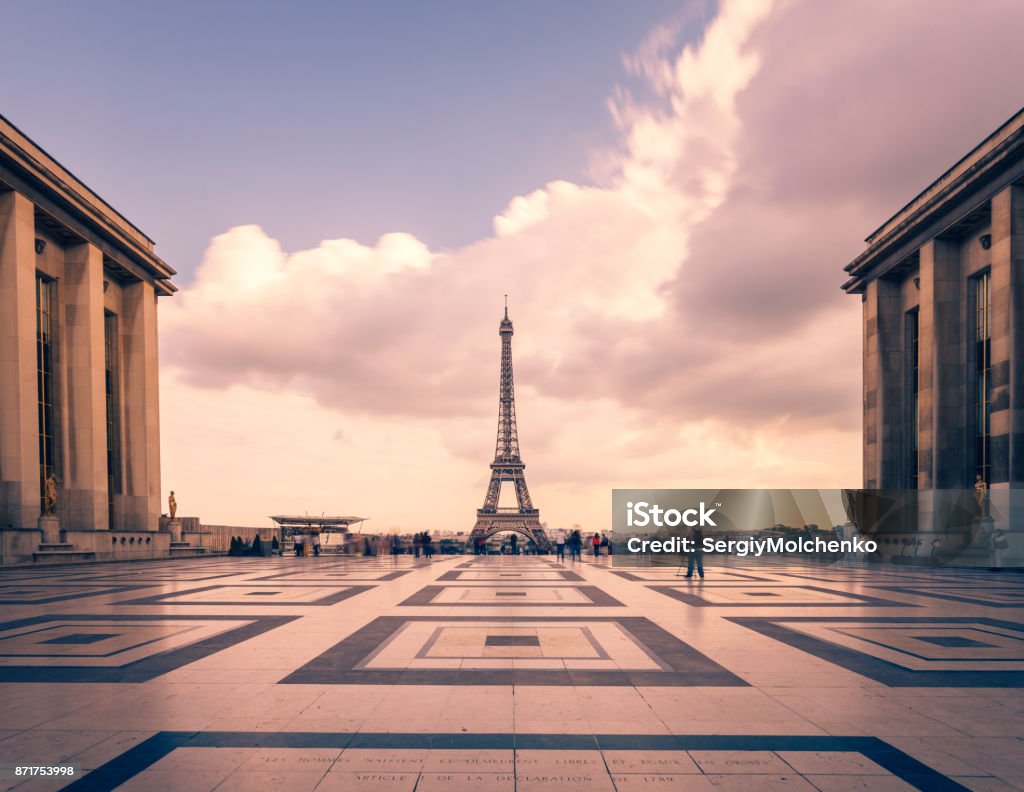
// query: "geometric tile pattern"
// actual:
[[513, 576], [472, 650], [342, 575], [512, 595], [731, 595], [668, 574], [238, 594], [984, 596], [28, 594], [498, 673], [908, 651], [81, 648]]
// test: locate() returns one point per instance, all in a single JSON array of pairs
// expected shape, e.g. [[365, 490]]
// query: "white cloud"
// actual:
[[679, 323]]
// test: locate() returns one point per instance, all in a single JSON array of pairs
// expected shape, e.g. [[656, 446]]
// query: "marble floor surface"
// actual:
[[510, 673]]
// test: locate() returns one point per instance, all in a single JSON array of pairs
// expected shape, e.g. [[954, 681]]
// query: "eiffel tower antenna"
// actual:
[[508, 466]]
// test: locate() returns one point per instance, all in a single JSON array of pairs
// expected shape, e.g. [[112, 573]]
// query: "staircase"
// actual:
[[61, 553], [185, 549]]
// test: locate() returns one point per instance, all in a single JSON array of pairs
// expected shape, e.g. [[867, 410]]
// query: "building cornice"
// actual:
[[28, 169], [989, 167]]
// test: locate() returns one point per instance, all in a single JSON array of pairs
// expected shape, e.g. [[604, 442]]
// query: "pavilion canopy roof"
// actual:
[[314, 521]]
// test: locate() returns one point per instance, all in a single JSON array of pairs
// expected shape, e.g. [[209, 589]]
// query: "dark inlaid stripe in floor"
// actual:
[[135, 760]]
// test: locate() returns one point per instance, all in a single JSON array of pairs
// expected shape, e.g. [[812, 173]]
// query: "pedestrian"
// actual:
[[514, 541], [417, 544], [575, 545], [998, 543], [560, 544], [428, 547], [596, 542], [604, 545], [300, 542], [316, 544], [696, 555]]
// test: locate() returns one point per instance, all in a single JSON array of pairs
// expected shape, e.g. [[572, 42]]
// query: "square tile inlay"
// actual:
[[117, 648], [735, 596], [904, 651], [81, 638], [951, 641], [512, 640], [529, 594], [496, 650], [245, 594]]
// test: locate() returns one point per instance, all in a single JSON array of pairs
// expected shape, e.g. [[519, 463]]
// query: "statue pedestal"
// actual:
[[49, 524], [174, 526]]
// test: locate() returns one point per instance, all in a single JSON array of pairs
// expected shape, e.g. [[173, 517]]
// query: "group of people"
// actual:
[[300, 541], [423, 543], [599, 544]]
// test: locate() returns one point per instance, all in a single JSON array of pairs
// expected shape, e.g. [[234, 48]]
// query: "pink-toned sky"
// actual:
[[678, 315]]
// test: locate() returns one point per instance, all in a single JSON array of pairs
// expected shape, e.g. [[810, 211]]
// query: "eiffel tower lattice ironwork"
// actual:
[[508, 466]]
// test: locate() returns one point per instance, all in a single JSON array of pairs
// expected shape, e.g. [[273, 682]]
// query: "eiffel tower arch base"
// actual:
[[528, 525]]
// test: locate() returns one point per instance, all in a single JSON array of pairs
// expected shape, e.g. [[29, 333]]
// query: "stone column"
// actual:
[[142, 502], [1007, 263], [19, 420], [884, 423], [85, 482], [941, 384], [1007, 257]]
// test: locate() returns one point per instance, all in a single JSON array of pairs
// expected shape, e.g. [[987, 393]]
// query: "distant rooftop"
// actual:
[[307, 521]]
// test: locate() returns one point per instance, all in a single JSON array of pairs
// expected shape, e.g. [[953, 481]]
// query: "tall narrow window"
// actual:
[[46, 290], [982, 375], [914, 396], [110, 347]]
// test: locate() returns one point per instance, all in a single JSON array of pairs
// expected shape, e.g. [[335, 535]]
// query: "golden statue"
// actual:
[[172, 505], [50, 492], [980, 494]]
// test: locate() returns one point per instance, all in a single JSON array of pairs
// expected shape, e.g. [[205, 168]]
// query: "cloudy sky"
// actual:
[[667, 191]]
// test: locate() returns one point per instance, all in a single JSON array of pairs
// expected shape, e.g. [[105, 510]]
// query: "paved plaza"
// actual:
[[510, 673]]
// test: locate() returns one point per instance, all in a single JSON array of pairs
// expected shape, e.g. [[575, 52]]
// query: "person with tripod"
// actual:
[[696, 555]]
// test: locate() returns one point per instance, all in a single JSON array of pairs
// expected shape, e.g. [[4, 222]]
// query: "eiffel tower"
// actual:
[[507, 464]]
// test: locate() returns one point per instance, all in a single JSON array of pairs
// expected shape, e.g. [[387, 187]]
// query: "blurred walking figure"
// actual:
[[575, 545], [596, 542], [514, 542], [560, 544], [417, 543], [697, 554]]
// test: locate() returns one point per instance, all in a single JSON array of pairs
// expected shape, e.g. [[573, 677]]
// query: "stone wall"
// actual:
[[217, 538]]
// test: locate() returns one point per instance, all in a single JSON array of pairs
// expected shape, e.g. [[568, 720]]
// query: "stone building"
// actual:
[[942, 282], [78, 366]]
